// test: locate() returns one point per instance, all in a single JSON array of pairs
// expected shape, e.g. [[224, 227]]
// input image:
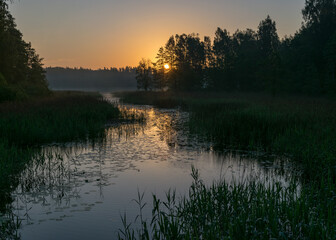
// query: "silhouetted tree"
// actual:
[[247, 58], [21, 68], [190, 61], [144, 75], [170, 59], [159, 80], [320, 22], [256, 61], [224, 57], [269, 43]]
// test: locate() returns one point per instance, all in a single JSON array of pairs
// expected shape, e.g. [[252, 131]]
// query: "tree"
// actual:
[[320, 12], [269, 43], [20, 66], [247, 57], [257, 61], [224, 57], [144, 75], [190, 61], [268, 37], [170, 59], [330, 56], [223, 49], [320, 26], [159, 81]]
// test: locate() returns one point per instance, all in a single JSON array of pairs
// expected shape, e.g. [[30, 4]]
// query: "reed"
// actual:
[[251, 210], [300, 128], [24, 126]]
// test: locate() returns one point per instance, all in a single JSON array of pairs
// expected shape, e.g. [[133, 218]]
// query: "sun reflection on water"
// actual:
[[66, 181]]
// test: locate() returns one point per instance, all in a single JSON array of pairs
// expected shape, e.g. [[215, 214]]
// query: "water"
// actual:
[[80, 190]]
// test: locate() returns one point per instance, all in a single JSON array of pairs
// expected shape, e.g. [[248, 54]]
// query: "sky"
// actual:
[[116, 33]]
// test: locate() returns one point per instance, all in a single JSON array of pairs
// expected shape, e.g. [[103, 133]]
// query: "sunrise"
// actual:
[[119, 33], [155, 120]]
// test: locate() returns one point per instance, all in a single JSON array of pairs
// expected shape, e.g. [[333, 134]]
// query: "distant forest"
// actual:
[[107, 79], [251, 60]]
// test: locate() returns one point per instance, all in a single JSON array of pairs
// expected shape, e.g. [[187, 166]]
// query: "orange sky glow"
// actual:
[[102, 33]]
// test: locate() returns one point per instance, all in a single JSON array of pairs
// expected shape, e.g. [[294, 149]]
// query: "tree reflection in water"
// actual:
[[64, 180]]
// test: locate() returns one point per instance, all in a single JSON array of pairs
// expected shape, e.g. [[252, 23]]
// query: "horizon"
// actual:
[[109, 34]]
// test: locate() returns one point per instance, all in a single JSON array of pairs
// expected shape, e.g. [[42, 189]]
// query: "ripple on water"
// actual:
[[85, 186]]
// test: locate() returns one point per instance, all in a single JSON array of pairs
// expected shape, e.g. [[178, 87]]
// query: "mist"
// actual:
[[80, 79]]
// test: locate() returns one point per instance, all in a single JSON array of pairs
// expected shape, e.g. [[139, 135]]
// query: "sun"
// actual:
[[166, 66]]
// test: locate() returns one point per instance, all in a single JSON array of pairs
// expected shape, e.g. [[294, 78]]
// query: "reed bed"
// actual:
[[302, 129], [251, 210], [60, 117]]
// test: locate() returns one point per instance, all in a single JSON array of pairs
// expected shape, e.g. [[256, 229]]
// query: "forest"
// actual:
[[249, 60]]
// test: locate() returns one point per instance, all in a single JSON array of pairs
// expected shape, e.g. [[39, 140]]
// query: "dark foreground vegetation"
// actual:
[[59, 117], [299, 128]]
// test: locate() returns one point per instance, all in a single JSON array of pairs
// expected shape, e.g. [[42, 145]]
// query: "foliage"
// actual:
[[252, 210], [19, 63], [299, 128], [144, 74], [40, 120], [60, 117], [255, 60]]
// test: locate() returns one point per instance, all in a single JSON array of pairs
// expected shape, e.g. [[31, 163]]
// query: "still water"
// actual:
[[80, 190]]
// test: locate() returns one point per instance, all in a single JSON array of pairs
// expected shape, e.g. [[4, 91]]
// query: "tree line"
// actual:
[[104, 79], [251, 60], [127, 69], [21, 68]]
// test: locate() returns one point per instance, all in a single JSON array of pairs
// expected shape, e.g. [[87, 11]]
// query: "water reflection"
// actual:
[[79, 190]]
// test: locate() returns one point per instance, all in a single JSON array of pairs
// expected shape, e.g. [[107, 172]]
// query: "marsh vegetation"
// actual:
[[250, 115], [24, 126], [299, 128]]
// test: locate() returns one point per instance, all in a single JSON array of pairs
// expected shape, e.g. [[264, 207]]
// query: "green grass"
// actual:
[[301, 128], [61, 117], [249, 210], [64, 116], [305, 132], [25, 125]]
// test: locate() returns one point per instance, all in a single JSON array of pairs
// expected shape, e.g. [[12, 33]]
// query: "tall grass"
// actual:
[[300, 127], [251, 210], [62, 116], [303, 129], [306, 132]]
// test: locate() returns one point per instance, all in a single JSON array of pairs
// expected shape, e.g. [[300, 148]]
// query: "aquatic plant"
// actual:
[[300, 128], [250, 210], [63, 116]]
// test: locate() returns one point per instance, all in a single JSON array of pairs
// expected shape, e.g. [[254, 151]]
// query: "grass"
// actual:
[[24, 126], [306, 132], [240, 211], [301, 128], [62, 117], [65, 116]]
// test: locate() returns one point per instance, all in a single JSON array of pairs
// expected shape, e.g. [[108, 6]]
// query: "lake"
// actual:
[[79, 190]]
